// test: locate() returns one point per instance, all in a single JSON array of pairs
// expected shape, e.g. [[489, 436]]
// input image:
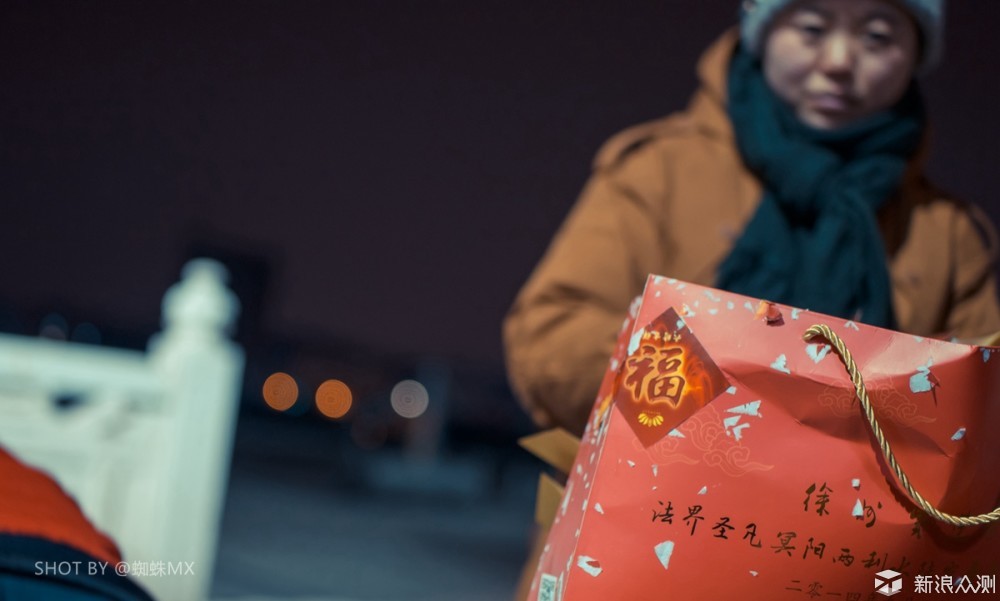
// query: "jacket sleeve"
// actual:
[[975, 311], [562, 328]]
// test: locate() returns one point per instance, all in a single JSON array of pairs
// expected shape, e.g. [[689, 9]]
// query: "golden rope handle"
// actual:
[[859, 388]]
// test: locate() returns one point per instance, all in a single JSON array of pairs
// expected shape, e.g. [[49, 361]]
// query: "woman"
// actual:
[[796, 175]]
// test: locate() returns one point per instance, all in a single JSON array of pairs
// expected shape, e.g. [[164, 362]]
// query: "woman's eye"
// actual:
[[811, 30], [878, 38]]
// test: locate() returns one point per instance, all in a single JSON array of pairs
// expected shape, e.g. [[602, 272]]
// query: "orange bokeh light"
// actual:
[[333, 399], [280, 391]]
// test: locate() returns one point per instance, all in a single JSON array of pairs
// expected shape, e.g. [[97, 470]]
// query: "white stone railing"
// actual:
[[145, 447]]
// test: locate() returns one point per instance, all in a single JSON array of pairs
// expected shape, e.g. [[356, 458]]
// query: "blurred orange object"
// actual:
[[35, 505]]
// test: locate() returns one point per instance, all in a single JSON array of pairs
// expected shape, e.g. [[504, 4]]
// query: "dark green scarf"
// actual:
[[814, 242]]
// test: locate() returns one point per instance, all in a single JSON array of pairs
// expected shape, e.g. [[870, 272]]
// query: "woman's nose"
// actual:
[[836, 54]]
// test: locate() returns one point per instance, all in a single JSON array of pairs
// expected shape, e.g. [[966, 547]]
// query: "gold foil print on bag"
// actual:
[[666, 378]]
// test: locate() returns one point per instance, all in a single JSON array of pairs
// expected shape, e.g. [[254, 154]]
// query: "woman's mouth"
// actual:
[[829, 102]]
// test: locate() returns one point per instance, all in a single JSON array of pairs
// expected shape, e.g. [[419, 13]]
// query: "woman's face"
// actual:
[[838, 61]]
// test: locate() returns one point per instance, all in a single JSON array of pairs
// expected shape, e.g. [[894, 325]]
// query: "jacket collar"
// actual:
[[708, 106]]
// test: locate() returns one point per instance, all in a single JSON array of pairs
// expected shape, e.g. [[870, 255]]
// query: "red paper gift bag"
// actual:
[[729, 457]]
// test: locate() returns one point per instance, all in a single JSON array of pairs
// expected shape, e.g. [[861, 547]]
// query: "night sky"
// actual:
[[393, 170]]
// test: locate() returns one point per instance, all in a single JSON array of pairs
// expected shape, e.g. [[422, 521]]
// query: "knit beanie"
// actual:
[[928, 14]]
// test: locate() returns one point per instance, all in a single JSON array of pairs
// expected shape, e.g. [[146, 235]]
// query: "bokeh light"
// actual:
[[54, 326], [409, 399], [333, 399], [280, 391]]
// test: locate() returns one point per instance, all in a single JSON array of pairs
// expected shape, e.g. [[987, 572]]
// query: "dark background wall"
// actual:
[[383, 174]]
